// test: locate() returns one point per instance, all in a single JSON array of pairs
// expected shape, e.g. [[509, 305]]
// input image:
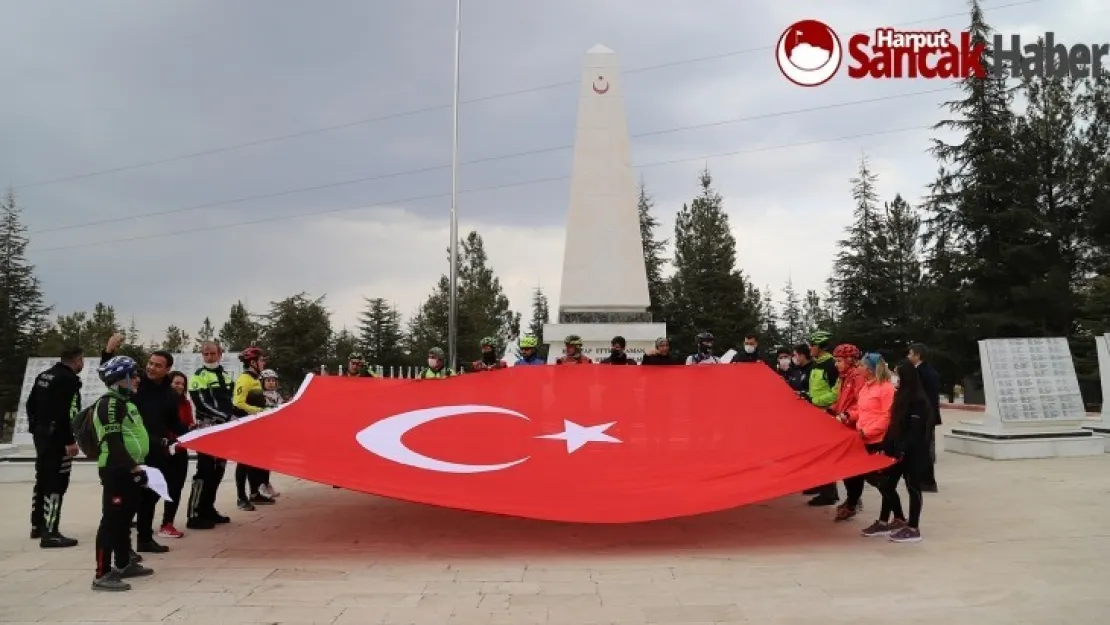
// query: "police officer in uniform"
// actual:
[[211, 389], [54, 400]]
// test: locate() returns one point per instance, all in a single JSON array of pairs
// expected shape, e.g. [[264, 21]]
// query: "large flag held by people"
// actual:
[[582, 444]]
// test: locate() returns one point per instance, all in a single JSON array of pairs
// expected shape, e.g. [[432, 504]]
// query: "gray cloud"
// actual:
[[112, 83]]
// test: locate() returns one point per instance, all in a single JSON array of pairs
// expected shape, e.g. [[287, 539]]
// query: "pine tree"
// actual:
[[859, 269], [902, 266], [206, 334], [770, 334], [428, 327], [379, 334], [343, 344], [977, 238], [541, 314], [298, 336], [654, 250], [483, 306], [793, 328], [814, 316], [24, 320], [240, 331], [176, 341], [708, 292]]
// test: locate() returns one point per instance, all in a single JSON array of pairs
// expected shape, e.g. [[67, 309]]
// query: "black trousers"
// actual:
[[118, 504], [206, 482], [853, 486], [245, 475], [177, 470], [52, 471], [148, 500], [910, 469], [928, 476]]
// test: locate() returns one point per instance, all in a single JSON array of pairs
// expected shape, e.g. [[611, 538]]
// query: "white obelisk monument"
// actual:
[[604, 291]]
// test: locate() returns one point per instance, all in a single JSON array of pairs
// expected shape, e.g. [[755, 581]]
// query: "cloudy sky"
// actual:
[[120, 122]]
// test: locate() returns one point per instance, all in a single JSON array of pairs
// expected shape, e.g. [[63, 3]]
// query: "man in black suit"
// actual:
[[930, 380]]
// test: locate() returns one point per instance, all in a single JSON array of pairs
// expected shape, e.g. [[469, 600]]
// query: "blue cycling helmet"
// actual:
[[117, 368], [871, 360]]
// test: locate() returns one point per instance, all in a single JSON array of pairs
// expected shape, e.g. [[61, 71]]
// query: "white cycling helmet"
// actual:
[[268, 374]]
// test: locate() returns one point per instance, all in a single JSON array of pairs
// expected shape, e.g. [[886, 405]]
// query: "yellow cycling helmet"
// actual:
[[529, 342]]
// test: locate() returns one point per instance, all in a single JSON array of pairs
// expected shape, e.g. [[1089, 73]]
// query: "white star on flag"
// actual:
[[578, 435]]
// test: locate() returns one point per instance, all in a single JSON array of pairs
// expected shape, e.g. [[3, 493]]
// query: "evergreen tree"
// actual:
[[298, 336], [541, 314], [977, 240], [206, 333], [902, 265], [379, 334], [814, 316], [483, 308], [343, 344], [240, 331], [176, 341], [860, 272], [708, 292], [770, 335], [654, 250], [793, 328], [24, 320]]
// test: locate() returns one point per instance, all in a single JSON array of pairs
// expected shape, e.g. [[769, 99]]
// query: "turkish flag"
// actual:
[[581, 444]]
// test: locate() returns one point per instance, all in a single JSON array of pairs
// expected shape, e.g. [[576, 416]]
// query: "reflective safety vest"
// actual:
[[429, 374]]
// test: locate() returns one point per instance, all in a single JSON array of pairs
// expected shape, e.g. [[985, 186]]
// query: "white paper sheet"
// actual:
[[156, 482]]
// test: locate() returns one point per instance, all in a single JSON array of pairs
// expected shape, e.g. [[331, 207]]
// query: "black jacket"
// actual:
[[54, 400], [930, 381], [743, 356], [661, 359], [797, 377], [157, 403], [624, 360]]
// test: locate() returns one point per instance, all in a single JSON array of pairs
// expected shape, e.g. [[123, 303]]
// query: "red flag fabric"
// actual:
[[590, 444]]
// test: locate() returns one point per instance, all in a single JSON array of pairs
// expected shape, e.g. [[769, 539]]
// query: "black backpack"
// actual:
[[84, 431]]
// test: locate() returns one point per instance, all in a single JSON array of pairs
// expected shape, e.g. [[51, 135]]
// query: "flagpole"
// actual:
[[453, 306]]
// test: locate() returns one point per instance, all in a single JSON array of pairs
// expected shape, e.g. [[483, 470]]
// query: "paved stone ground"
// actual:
[[1005, 543]]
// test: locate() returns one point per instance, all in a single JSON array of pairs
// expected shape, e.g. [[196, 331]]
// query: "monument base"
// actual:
[[596, 338], [1099, 427], [1023, 445]]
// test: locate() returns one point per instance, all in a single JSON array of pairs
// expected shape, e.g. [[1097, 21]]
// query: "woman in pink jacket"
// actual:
[[870, 419]]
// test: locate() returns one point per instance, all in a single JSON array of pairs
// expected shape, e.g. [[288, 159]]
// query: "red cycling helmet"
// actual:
[[249, 354], [847, 351]]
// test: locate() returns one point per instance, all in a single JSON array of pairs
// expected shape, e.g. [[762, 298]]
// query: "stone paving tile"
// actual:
[[990, 556]]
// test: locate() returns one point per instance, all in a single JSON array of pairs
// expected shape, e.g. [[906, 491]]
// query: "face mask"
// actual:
[[705, 348], [489, 357], [784, 363], [749, 349], [797, 361], [432, 362], [211, 365], [616, 353]]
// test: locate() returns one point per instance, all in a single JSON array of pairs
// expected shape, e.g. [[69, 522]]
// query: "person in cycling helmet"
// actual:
[[437, 365], [489, 360], [249, 399], [704, 355], [824, 376], [529, 351], [572, 352], [123, 447]]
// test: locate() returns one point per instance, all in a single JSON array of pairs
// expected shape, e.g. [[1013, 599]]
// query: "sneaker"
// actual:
[[57, 541], [929, 488], [169, 531], [134, 569], [261, 500], [149, 546], [823, 500], [878, 528], [110, 582], [843, 512], [269, 491], [219, 519], [135, 557], [199, 523], [906, 535], [36, 533], [244, 505]]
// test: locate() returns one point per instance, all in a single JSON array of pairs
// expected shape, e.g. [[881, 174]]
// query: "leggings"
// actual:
[[853, 486], [910, 468]]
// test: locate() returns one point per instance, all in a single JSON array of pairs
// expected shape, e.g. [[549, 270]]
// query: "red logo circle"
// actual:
[[809, 53]]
